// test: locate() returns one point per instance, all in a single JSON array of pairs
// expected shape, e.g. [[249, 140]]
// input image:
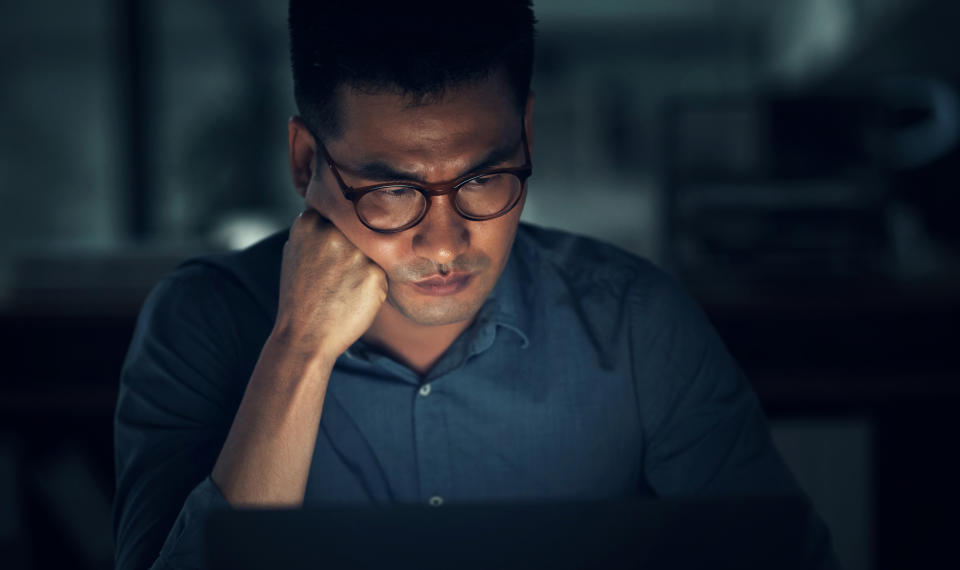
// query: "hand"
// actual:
[[330, 292]]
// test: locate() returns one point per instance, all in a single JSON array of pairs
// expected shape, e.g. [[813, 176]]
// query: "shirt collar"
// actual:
[[509, 306]]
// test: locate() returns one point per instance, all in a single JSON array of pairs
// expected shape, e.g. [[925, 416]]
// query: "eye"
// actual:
[[394, 193], [480, 181], [483, 182]]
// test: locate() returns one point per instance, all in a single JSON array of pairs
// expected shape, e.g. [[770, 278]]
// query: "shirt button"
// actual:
[[436, 501], [425, 390]]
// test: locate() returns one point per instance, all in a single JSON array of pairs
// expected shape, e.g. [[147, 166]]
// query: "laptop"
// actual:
[[742, 533]]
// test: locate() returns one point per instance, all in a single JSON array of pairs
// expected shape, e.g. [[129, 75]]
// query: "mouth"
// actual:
[[444, 285]]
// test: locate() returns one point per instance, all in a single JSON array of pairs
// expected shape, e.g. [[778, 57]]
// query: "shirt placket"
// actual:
[[432, 435]]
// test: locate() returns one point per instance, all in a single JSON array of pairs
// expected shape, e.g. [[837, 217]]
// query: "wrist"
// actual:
[[305, 346]]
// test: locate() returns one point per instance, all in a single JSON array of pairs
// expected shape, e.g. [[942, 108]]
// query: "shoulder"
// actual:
[[247, 278], [224, 299], [203, 324], [587, 266], [613, 293]]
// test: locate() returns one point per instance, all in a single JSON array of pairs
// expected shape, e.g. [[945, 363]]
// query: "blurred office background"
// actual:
[[794, 163]]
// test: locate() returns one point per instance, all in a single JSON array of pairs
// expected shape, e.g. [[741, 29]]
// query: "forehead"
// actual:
[[391, 125]]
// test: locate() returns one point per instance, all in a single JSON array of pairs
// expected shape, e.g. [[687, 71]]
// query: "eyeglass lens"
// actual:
[[484, 197]]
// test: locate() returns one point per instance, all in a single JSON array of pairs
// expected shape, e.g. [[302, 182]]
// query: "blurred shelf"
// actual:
[[847, 350]]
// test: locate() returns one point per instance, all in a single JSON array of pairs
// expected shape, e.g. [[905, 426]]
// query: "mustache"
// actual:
[[424, 268]]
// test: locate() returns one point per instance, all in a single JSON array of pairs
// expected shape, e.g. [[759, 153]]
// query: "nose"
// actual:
[[442, 235]]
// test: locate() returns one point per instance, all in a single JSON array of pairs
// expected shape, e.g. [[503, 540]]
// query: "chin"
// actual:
[[437, 311]]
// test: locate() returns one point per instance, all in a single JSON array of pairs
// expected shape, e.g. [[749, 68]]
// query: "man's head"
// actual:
[[418, 48], [419, 92]]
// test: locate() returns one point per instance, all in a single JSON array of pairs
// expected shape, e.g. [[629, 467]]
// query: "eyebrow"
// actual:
[[378, 170]]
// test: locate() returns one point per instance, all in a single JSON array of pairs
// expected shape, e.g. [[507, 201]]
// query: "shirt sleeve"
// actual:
[[706, 433], [180, 386]]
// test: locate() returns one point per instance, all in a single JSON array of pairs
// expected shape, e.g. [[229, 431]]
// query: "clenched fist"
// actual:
[[330, 292]]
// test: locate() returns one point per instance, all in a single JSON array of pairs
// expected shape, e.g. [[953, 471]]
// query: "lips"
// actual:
[[444, 284]]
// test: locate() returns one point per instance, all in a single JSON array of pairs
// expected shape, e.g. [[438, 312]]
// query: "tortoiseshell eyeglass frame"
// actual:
[[435, 189]]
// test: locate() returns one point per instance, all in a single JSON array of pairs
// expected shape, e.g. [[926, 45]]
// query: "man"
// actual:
[[409, 340]]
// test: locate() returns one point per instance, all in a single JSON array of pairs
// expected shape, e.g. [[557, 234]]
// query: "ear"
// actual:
[[303, 149], [528, 121]]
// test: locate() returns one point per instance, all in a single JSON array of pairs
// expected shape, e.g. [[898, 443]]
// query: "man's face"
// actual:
[[441, 270]]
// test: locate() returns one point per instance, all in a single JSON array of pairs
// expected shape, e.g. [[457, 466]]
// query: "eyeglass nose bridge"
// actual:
[[431, 191]]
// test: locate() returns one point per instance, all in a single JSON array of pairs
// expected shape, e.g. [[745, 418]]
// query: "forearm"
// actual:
[[329, 294], [267, 454]]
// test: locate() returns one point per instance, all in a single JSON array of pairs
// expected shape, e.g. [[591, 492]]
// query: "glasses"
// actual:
[[397, 206]]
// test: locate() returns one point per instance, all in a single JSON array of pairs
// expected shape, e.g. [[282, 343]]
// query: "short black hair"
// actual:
[[418, 48]]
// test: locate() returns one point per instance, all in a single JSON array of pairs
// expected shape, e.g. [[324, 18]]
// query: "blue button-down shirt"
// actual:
[[587, 374]]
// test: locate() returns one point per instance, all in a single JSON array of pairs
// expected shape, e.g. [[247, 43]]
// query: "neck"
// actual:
[[415, 345]]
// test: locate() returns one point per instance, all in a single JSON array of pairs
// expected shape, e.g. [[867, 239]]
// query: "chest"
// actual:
[[541, 427]]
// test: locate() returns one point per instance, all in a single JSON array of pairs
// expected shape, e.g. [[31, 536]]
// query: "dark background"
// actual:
[[794, 163]]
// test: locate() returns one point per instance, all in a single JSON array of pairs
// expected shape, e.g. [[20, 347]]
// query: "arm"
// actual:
[[706, 433], [329, 295], [191, 434]]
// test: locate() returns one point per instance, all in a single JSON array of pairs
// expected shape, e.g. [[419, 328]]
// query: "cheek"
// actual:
[[385, 252]]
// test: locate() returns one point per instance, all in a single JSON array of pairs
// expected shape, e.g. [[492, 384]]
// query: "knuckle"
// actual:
[[307, 218], [334, 242], [378, 275], [298, 225]]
